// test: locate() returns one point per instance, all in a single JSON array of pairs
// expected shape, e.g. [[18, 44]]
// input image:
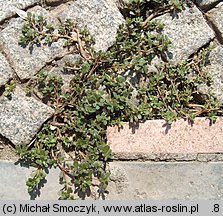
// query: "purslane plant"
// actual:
[[99, 95]]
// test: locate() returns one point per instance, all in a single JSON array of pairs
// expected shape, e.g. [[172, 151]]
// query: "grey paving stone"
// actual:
[[28, 62], [60, 71], [188, 31], [13, 183], [129, 181], [5, 70], [101, 17], [21, 117], [167, 180], [215, 16], [215, 69], [7, 7]]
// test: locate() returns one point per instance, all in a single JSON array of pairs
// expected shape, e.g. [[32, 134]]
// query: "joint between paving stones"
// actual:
[[172, 157], [14, 75], [208, 7], [210, 23], [58, 3], [197, 158], [215, 29]]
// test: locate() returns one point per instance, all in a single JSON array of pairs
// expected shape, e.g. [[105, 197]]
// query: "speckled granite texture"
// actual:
[[179, 162], [21, 117]]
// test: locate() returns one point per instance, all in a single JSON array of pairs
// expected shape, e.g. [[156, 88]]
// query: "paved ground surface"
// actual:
[[130, 180], [173, 164], [21, 117], [166, 180], [13, 183]]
